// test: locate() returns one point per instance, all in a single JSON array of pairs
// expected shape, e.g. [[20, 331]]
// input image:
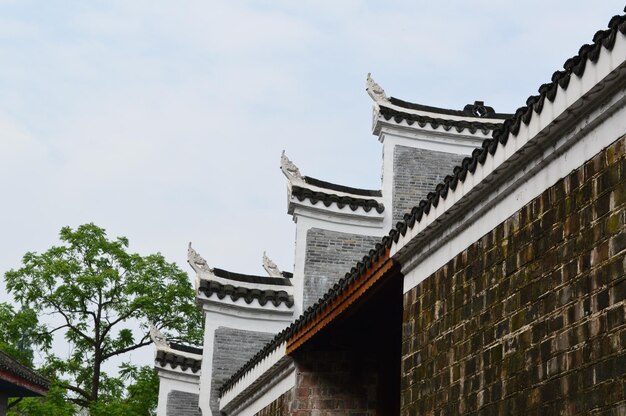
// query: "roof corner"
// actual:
[[270, 267], [375, 91]]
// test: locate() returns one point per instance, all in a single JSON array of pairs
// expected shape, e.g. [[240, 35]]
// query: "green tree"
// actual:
[[19, 333], [55, 403], [104, 299], [140, 397]]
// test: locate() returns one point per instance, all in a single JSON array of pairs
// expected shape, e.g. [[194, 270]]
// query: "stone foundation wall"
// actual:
[[416, 173], [530, 318], [329, 255]]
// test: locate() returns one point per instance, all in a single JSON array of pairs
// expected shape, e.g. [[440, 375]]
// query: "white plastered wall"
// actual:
[[175, 380], [224, 315]]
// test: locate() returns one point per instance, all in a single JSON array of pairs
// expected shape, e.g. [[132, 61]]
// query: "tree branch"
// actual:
[[79, 402], [76, 390], [118, 320], [127, 349], [14, 403], [69, 324]]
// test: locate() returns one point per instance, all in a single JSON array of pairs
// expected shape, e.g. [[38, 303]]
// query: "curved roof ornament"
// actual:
[[374, 90], [290, 170], [158, 338], [270, 267], [196, 261]]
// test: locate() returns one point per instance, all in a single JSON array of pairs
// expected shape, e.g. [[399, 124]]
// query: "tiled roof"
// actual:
[[447, 124], [263, 296], [341, 201], [13, 367], [184, 361], [534, 105], [354, 200], [235, 292]]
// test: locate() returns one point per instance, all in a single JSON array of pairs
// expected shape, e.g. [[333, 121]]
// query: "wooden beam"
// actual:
[[339, 304]]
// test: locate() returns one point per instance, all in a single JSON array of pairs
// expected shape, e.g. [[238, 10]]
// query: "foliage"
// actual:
[[19, 332], [103, 300], [55, 403], [140, 398]]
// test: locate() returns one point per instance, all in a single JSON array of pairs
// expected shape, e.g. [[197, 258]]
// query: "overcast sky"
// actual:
[[164, 121]]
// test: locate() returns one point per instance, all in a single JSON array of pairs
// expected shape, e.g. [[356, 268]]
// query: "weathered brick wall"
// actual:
[[333, 383], [329, 255], [232, 348], [416, 173], [279, 407], [180, 403], [530, 318]]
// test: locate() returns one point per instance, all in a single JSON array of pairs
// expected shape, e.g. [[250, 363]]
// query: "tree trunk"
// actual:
[[95, 381]]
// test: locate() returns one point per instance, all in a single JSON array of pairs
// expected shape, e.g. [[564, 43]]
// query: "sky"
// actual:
[[164, 121]]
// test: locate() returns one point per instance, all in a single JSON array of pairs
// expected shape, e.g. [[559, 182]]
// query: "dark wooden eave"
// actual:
[[17, 380], [332, 309]]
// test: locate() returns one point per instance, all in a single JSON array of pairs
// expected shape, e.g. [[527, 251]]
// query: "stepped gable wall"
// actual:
[[416, 173], [181, 403], [329, 255], [232, 349]]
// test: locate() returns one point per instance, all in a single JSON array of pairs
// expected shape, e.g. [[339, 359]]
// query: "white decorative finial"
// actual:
[[374, 90], [290, 170], [158, 338], [196, 261], [270, 267]]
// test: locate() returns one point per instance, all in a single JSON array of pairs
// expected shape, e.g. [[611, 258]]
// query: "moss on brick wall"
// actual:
[[530, 318]]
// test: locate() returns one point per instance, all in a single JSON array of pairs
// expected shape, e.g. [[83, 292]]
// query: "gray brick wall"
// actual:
[[232, 348], [180, 403], [416, 173], [329, 255], [531, 318]]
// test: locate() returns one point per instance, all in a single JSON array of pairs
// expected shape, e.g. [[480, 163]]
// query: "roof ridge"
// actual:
[[177, 346], [251, 278], [459, 125], [342, 188], [477, 110]]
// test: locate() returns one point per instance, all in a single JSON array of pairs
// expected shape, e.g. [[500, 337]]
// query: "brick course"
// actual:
[[334, 383], [232, 348], [329, 383], [329, 255], [180, 403], [416, 173], [530, 319]]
